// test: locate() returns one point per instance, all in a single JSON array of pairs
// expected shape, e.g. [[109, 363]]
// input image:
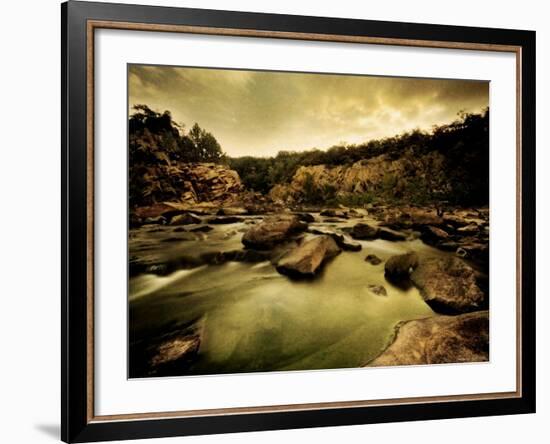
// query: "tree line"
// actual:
[[155, 138]]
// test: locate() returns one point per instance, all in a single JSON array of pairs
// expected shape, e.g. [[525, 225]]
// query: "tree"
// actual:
[[206, 147]]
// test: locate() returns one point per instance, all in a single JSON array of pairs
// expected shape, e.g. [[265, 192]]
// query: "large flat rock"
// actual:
[[306, 259], [448, 285], [439, 340]]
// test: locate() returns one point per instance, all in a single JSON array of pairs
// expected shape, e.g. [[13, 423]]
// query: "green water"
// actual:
[[254, 319]]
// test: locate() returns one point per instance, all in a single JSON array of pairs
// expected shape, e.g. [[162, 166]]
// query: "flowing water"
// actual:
[[254, 319]]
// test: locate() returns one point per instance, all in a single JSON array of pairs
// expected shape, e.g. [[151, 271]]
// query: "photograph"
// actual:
[[282, 221]]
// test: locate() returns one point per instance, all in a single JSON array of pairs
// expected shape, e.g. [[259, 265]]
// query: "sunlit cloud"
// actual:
[[260, 113]]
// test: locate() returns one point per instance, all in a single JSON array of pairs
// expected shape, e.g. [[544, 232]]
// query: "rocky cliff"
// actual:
[[190, 183], [405, 177]]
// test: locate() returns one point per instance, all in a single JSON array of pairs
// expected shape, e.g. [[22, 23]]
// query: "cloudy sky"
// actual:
[[260, 113]]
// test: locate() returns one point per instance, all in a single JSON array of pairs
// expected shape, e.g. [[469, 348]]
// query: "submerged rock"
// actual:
[[306, 260], [401, 266], [448, 285], [378, 290], [373, 259], [221, 257], [439, 340], [185, 236], [154, 265], [176, 349], [272, 230], [202, 229]]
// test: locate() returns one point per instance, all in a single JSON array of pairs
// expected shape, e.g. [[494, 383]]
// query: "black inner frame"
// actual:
[[74, 423]]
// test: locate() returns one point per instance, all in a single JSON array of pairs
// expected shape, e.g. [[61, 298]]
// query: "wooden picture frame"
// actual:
[[79, 22]]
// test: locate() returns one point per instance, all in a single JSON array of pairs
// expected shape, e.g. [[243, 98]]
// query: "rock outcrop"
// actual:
[[439, 340], [362, 176], [188, 183], [448, 285], [306, 260]]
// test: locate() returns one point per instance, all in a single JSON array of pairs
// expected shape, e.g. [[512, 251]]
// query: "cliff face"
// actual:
[[185, 183], [402, 177]]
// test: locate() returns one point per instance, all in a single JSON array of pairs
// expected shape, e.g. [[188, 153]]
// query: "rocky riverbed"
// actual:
[[242, 289]]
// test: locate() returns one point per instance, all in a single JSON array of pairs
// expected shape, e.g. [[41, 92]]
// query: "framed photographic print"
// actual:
[[276, 221]]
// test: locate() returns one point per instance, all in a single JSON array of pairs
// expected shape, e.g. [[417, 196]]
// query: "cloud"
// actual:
[[259, 113]]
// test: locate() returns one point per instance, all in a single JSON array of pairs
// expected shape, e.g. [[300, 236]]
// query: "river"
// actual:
[[253, 319]]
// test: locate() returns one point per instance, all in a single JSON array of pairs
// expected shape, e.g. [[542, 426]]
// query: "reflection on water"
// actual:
[[254, 319]]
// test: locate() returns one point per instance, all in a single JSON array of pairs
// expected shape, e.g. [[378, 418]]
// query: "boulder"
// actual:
[[434, 235], [358, 212], [334, 213], [345, 244], [134, 221], [185, 219], [412, 218], [154, 210], [475, 251], [401, 266], [306, 260], [272, 230], [232, 211], [305, 217], [448, 285], [373, 259], [154, 220], [439, 340], [340, 240], [448, 245], [468, 229], [364, 231], [391, 235]]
